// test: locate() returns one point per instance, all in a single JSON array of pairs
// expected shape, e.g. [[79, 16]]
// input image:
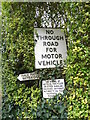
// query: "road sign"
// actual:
[[28, 76], [50, 47], [51, 88]]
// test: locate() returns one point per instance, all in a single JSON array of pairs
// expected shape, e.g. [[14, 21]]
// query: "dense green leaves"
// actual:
[[54, 108], [24, 99], [77, 71], [18, 57]]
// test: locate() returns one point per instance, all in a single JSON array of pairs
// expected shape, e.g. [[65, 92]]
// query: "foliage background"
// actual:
[[24, 99]]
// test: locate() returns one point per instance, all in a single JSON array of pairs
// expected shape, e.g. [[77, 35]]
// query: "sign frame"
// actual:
[[28, 76], [51, 88], [49, 53]]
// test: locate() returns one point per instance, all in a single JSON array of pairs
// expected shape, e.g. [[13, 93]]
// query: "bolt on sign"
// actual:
[[50, 47], [51, 88]]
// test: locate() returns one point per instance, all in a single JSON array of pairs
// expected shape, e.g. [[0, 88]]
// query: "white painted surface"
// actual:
[[49, 47], [28, 76], [51, 88]]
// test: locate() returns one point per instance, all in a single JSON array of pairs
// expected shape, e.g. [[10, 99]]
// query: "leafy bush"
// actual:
[[77, 71], [50, 109], [24, 99], [18, 57]]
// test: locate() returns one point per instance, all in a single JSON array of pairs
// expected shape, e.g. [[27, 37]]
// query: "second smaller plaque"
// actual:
[[51, 88]]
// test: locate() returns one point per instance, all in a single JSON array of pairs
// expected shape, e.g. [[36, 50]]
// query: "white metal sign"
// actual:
[[50, 47], [28, 76], [51, 88]]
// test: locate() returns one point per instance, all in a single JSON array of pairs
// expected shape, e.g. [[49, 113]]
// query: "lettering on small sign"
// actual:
[[51, 88], [50, 47], [28, 76]]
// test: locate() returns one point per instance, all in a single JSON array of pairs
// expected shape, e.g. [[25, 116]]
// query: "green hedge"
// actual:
[[24, 99], [18, 57], [78, 70]]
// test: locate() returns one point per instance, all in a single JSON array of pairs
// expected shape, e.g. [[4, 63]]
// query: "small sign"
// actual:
[[50, 47], [51, 88], [28, 76]]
